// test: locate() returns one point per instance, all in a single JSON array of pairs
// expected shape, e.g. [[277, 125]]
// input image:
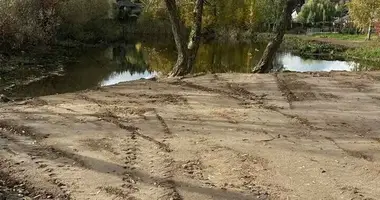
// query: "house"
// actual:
[[128, 9]]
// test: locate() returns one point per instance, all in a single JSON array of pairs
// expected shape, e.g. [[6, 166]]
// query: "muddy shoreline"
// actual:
[[23, 67]]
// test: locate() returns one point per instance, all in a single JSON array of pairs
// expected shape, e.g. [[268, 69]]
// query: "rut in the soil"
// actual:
[[36, 156], [130, 176], [112, 118], [356, 154]]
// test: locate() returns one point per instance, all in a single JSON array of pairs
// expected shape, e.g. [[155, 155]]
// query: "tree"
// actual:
[[364, 13], [187, 50], [317, 11], [266, 62]]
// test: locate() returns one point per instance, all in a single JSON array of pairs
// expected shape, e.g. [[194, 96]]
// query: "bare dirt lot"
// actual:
[[220, 136]]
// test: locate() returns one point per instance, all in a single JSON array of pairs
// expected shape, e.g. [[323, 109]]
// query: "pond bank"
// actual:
[[73, 66], [328, 47], [217, 136]]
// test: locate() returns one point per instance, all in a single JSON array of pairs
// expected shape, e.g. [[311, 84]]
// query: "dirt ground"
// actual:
[[217, 136]]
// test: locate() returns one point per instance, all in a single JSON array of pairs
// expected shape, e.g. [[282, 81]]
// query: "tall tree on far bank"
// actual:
[[187, 49], [266, 62], [317, 11], [364, 13]]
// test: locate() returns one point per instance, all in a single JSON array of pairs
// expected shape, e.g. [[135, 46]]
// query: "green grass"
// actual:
[[364, 53], [303, 46], [308, 46], [342, 36]]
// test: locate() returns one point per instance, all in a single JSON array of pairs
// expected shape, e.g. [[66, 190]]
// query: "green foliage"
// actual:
[[83, 11], [364, 12], [220, 14], [340, 36], [26, 21], [309, 47], [317, 11], [365, 53]]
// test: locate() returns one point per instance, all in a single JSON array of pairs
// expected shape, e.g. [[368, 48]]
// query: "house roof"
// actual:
[[125, 3], [343, 19]]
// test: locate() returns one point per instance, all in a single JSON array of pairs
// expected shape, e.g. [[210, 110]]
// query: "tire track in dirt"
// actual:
[[130, 178], [130, 153], [112, 118], [356, 154], [245, 94], [54, 162], [235, 92], [19, 185], [239, 172], [205, 89], [156, 177], [290, 96], [165, 126], [135, 131], [41, 155], [38, 158]]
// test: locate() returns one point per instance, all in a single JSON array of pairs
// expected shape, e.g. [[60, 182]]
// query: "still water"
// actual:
[[132, 61]]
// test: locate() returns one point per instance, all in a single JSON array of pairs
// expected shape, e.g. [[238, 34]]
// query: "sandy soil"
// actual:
[[221, 136]]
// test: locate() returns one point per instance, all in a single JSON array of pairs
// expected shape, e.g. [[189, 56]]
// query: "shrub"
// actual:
[[27, 21]]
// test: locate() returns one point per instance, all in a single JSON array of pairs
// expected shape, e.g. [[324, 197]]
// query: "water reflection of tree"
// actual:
[[212, 57], [129, 57]]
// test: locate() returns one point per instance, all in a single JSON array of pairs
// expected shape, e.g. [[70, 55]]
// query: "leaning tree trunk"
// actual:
[[186, 53], [195, 34], [179, 35], [265, 64]]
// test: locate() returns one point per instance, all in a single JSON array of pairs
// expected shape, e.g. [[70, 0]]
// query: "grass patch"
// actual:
[[364, 53], [308, 46], [304, 46], [340, 36]]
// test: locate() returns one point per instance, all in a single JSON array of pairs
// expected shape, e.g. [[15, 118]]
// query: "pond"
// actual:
[[135, 60]]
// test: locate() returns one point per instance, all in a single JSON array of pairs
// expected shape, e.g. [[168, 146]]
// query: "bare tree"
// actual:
[[187, 49], [265, 64]]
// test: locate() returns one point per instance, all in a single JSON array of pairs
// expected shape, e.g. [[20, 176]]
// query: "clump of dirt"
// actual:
[[12, 189], [166, 98], [328, 96], [118, 192], [193, 169]]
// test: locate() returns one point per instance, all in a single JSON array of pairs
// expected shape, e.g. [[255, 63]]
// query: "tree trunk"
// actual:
[[265, 64], [186, 53], [195, 34], [179, 38], [369, 31]]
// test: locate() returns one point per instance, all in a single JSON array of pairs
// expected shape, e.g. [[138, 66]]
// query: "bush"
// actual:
[[27, 21], [365, 53], [31, 22], [84, 11]]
